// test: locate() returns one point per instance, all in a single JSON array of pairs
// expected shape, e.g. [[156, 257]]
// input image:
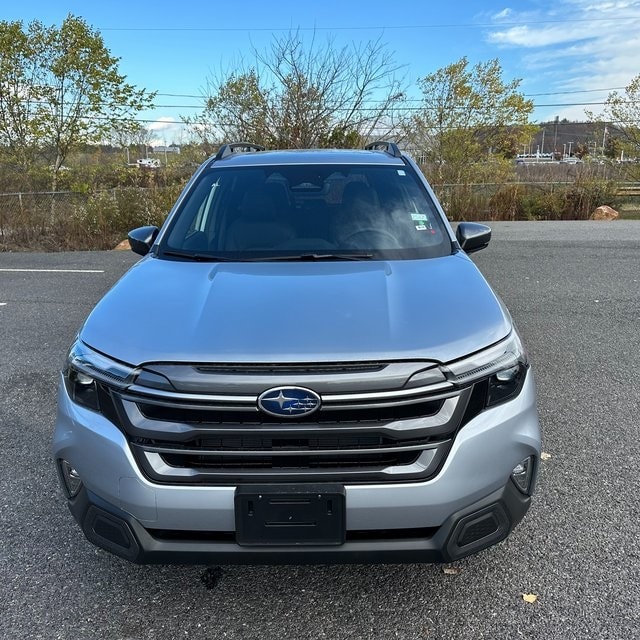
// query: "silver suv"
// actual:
[[305, 367]]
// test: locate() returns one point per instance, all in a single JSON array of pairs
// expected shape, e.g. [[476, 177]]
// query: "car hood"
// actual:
[[171, 311]]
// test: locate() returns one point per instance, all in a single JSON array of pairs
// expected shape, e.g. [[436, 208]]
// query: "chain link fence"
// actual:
[[59, 221], [62, 221], [570, 200]]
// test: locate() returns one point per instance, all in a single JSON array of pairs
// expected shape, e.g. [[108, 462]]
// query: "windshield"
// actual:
[[306, 212]]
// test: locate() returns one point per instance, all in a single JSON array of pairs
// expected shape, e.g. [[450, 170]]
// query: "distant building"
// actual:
[[172, 148]]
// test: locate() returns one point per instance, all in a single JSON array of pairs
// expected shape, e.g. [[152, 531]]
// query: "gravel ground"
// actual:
[[574, 291]]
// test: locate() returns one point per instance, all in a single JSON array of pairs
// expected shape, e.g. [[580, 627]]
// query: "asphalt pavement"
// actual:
[[574, 291]]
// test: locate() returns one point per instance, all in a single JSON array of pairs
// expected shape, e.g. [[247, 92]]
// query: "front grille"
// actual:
[[285, 454], [363, 432], [292, 462], [208, 415]]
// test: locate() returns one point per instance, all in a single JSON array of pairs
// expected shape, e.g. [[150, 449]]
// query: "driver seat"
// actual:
[[257, 226]]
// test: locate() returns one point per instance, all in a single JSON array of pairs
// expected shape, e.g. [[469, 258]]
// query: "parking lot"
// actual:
[[574, 291]]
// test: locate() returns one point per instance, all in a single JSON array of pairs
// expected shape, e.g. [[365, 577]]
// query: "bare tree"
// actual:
[[128, 134], [299, 95]]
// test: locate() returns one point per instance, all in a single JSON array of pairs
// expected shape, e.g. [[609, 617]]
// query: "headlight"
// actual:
[[86, 368], [504, 365], [81, 388], [505, 384]]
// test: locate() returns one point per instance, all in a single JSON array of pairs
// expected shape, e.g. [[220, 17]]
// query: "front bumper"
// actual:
[[121, 510], [482, 524]]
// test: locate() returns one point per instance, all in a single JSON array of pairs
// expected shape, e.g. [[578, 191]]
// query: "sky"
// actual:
[[569, 54]]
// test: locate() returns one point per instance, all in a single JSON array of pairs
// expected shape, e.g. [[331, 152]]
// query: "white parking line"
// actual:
[[54, 270], [3, 304]]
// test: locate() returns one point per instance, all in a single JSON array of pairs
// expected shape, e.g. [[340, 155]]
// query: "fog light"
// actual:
[[70, 478], [522, 475]]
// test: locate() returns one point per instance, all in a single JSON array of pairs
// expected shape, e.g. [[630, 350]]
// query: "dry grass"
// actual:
[[73, 221]]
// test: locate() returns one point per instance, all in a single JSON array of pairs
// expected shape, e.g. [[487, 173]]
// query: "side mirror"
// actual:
[[473, 236], [142, 239]]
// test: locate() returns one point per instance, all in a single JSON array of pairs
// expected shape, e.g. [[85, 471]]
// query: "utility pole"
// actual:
[[543, 130], [570, 148]]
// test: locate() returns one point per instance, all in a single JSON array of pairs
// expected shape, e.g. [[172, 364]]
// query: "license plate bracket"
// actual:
[[290, 515]]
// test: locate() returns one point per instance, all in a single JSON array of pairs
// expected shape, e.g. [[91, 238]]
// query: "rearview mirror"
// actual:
[[142, 239], [473, 236]]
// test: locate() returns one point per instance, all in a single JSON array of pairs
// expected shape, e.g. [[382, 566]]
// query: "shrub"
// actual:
[[463, 202], [77, 221], [584, 196], [506, 203], [548, 201], [109, 215]]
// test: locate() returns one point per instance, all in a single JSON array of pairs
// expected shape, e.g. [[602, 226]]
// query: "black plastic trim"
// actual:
[[507, 502], [384, 145], [228, 149]]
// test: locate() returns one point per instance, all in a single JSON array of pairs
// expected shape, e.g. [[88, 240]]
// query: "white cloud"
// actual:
[[576, 45], [501, 15], [531, 38], [166, 130], [163, 122]]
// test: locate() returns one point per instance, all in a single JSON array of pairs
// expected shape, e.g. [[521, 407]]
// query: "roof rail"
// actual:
[[233, 147], [383, 145]]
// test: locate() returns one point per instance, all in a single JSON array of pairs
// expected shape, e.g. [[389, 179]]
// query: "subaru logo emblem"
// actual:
[[289, 402]]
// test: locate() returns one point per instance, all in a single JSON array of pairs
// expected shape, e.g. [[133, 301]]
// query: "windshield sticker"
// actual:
[[402, 172], [421, 221]]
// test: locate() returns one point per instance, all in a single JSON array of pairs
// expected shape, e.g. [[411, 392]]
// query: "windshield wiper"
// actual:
[[295, 257], [197, 257], [313, 257]]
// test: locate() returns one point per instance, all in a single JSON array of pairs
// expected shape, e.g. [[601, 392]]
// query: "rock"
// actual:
[[125, 246], [604, 213]]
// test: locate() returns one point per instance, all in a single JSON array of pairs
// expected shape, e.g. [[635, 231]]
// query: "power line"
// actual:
[[564, 93], [205, 123], [397, 109], [180, 95], [201, 96], [402, 108], [466, 25]]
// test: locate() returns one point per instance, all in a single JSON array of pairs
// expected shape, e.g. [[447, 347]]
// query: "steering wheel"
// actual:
[[389, 241]]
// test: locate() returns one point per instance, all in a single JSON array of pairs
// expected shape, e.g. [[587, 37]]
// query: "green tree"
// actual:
[[622, 113], [59, 87], [468, 114], [19, 94], [298, 94], [614, 147]]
